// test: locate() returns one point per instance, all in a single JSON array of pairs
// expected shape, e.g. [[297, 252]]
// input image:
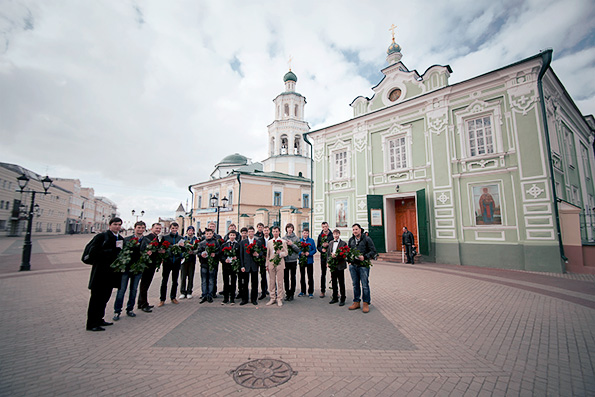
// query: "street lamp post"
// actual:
[[23, 180], [215, 204], [137, 216]]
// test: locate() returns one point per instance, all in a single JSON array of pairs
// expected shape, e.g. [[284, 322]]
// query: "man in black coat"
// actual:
[[408, 242], [149, 272], [105, 249], [249, 268], [324, 238], [359, 272], [171, 264], [337, 275]]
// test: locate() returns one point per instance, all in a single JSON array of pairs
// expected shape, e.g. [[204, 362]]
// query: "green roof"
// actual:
[[234, 159], [289, 76]]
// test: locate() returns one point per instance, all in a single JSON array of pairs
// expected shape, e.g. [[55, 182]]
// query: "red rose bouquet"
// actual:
[[353, 258], [229, 252], [124, 258], [333, 261], [304, 248], [211, 259], [277, 247]]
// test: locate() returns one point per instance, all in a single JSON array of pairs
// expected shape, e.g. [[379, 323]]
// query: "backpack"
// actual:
[[86, 258]]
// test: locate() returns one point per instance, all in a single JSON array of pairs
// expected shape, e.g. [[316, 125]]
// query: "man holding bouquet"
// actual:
[[151, 239], [208, 255], [230, 260], [337, 264], [360, 266], [171, 264], [250, 249], [275, 265]]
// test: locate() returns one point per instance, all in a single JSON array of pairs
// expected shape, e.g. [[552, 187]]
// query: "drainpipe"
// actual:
[[192, 206], [546, 57], [305, 135], [239, 197]]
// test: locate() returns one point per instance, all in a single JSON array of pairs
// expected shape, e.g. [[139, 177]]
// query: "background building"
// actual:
[[274, 192], [493, 171], [67, 208]]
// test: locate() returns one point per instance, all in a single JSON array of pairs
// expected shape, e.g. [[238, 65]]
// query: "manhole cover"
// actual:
[[262, 374]]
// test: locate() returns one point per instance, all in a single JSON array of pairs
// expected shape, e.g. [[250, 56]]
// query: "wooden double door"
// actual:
[[406, 216]]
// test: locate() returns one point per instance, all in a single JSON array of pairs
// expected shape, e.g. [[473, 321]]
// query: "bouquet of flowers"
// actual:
[[333, 261], [229, 252], [175, 249], [304, 248], [190, 248], [125, 256], [211, 260], [154, 247], [354, 255], [254, 249], [277, 247], [324, 240]]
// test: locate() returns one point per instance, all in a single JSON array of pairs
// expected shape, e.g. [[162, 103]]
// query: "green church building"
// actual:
[[494, 171]]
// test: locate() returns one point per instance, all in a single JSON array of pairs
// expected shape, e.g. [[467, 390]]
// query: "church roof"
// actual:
[[180, 208], [290, 76], [234, 159]]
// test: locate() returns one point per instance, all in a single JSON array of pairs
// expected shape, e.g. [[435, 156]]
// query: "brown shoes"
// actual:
[[161, 303], [354, 306], [175, 301], [366, 307]]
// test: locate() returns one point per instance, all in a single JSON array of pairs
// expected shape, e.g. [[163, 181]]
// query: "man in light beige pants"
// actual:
[[276, 290]]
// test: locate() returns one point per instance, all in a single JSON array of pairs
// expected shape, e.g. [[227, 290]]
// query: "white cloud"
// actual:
[[142, 95]]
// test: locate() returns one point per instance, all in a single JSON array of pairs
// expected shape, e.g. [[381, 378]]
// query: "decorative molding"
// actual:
[[443, 198], [360, 137], [446, 234]]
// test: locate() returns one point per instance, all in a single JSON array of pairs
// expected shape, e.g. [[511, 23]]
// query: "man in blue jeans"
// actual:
[[139, 231], [360, 273], [208, 275]]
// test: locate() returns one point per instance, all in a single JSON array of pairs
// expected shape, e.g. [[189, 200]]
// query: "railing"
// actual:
[[587, 222]]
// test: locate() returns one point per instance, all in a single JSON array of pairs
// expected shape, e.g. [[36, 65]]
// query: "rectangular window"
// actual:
[[2, 225], [230, 198], [569, 147], [277, 199], [341, 165], [305, 201], [575, 195], [199, 202], [397, 153], [49, 227], [58, 227], [480, 135], [585, 156]]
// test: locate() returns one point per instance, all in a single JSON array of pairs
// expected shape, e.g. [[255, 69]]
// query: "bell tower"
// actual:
[[287, 149]]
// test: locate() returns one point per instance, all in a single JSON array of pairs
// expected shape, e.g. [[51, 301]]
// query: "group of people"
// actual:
[[245, 257]]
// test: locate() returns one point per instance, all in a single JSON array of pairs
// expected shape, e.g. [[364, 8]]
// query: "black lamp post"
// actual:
[[137, 216], [23, 180], [215, 204]]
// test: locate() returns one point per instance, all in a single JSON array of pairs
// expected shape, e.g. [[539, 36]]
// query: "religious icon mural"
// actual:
[[341, 213], [486, 202]]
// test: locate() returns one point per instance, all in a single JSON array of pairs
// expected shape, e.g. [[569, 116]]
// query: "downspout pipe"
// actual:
[[192, 206], [546, 57], [305, 135], [239, 197]]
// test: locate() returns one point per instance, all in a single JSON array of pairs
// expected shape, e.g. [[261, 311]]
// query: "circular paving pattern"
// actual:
[[262, 374]]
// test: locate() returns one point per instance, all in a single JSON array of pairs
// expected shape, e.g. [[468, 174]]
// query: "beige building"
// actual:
[[274, 192], [50, 209]]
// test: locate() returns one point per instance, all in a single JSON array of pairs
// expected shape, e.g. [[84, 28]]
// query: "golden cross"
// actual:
[[392, 28], [289, 62]]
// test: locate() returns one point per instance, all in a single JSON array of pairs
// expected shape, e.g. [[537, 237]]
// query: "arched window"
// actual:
[[296, 144], [296, 111], [286, 107], [284, 146], [272, 149]]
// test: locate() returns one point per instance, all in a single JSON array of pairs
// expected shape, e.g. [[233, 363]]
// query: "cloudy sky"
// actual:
[[139, 99]]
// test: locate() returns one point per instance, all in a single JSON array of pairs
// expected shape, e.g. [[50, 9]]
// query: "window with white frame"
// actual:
[[230, 198], [480, 136], [569, 146], [575, 195], [340, 161], [397, 153], [305, 200], [277, 199], [199, 205], [586, 167]]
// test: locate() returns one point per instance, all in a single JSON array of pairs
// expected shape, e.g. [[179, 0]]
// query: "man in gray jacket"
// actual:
[[290, 261]]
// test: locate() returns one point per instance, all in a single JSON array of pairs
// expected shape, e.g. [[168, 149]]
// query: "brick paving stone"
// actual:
[[432, 330]]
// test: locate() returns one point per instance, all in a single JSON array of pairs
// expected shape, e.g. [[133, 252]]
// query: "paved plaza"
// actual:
[[432, 330]]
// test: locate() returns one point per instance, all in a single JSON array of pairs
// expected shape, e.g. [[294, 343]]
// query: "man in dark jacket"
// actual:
[[207, 275], [359, 272], [134, 278], [149, 272], [105, 249], [249, 267], [337, 275], [324, 238], [408, 242], [171, 264]]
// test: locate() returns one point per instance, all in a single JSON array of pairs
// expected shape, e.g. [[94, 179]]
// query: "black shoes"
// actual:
[[131, 314], [147, 309], [210, 300], [203, 300], [261, 297], [342, 303], [255, 302], [105, 323], [242, 303], [95, 329], [333, 301]]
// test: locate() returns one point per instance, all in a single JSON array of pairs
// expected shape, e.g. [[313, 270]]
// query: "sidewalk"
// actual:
[[432, 330]]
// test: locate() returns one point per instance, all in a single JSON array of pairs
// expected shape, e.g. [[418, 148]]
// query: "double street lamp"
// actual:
[[23, 180], [215, 204], [138, 216]]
